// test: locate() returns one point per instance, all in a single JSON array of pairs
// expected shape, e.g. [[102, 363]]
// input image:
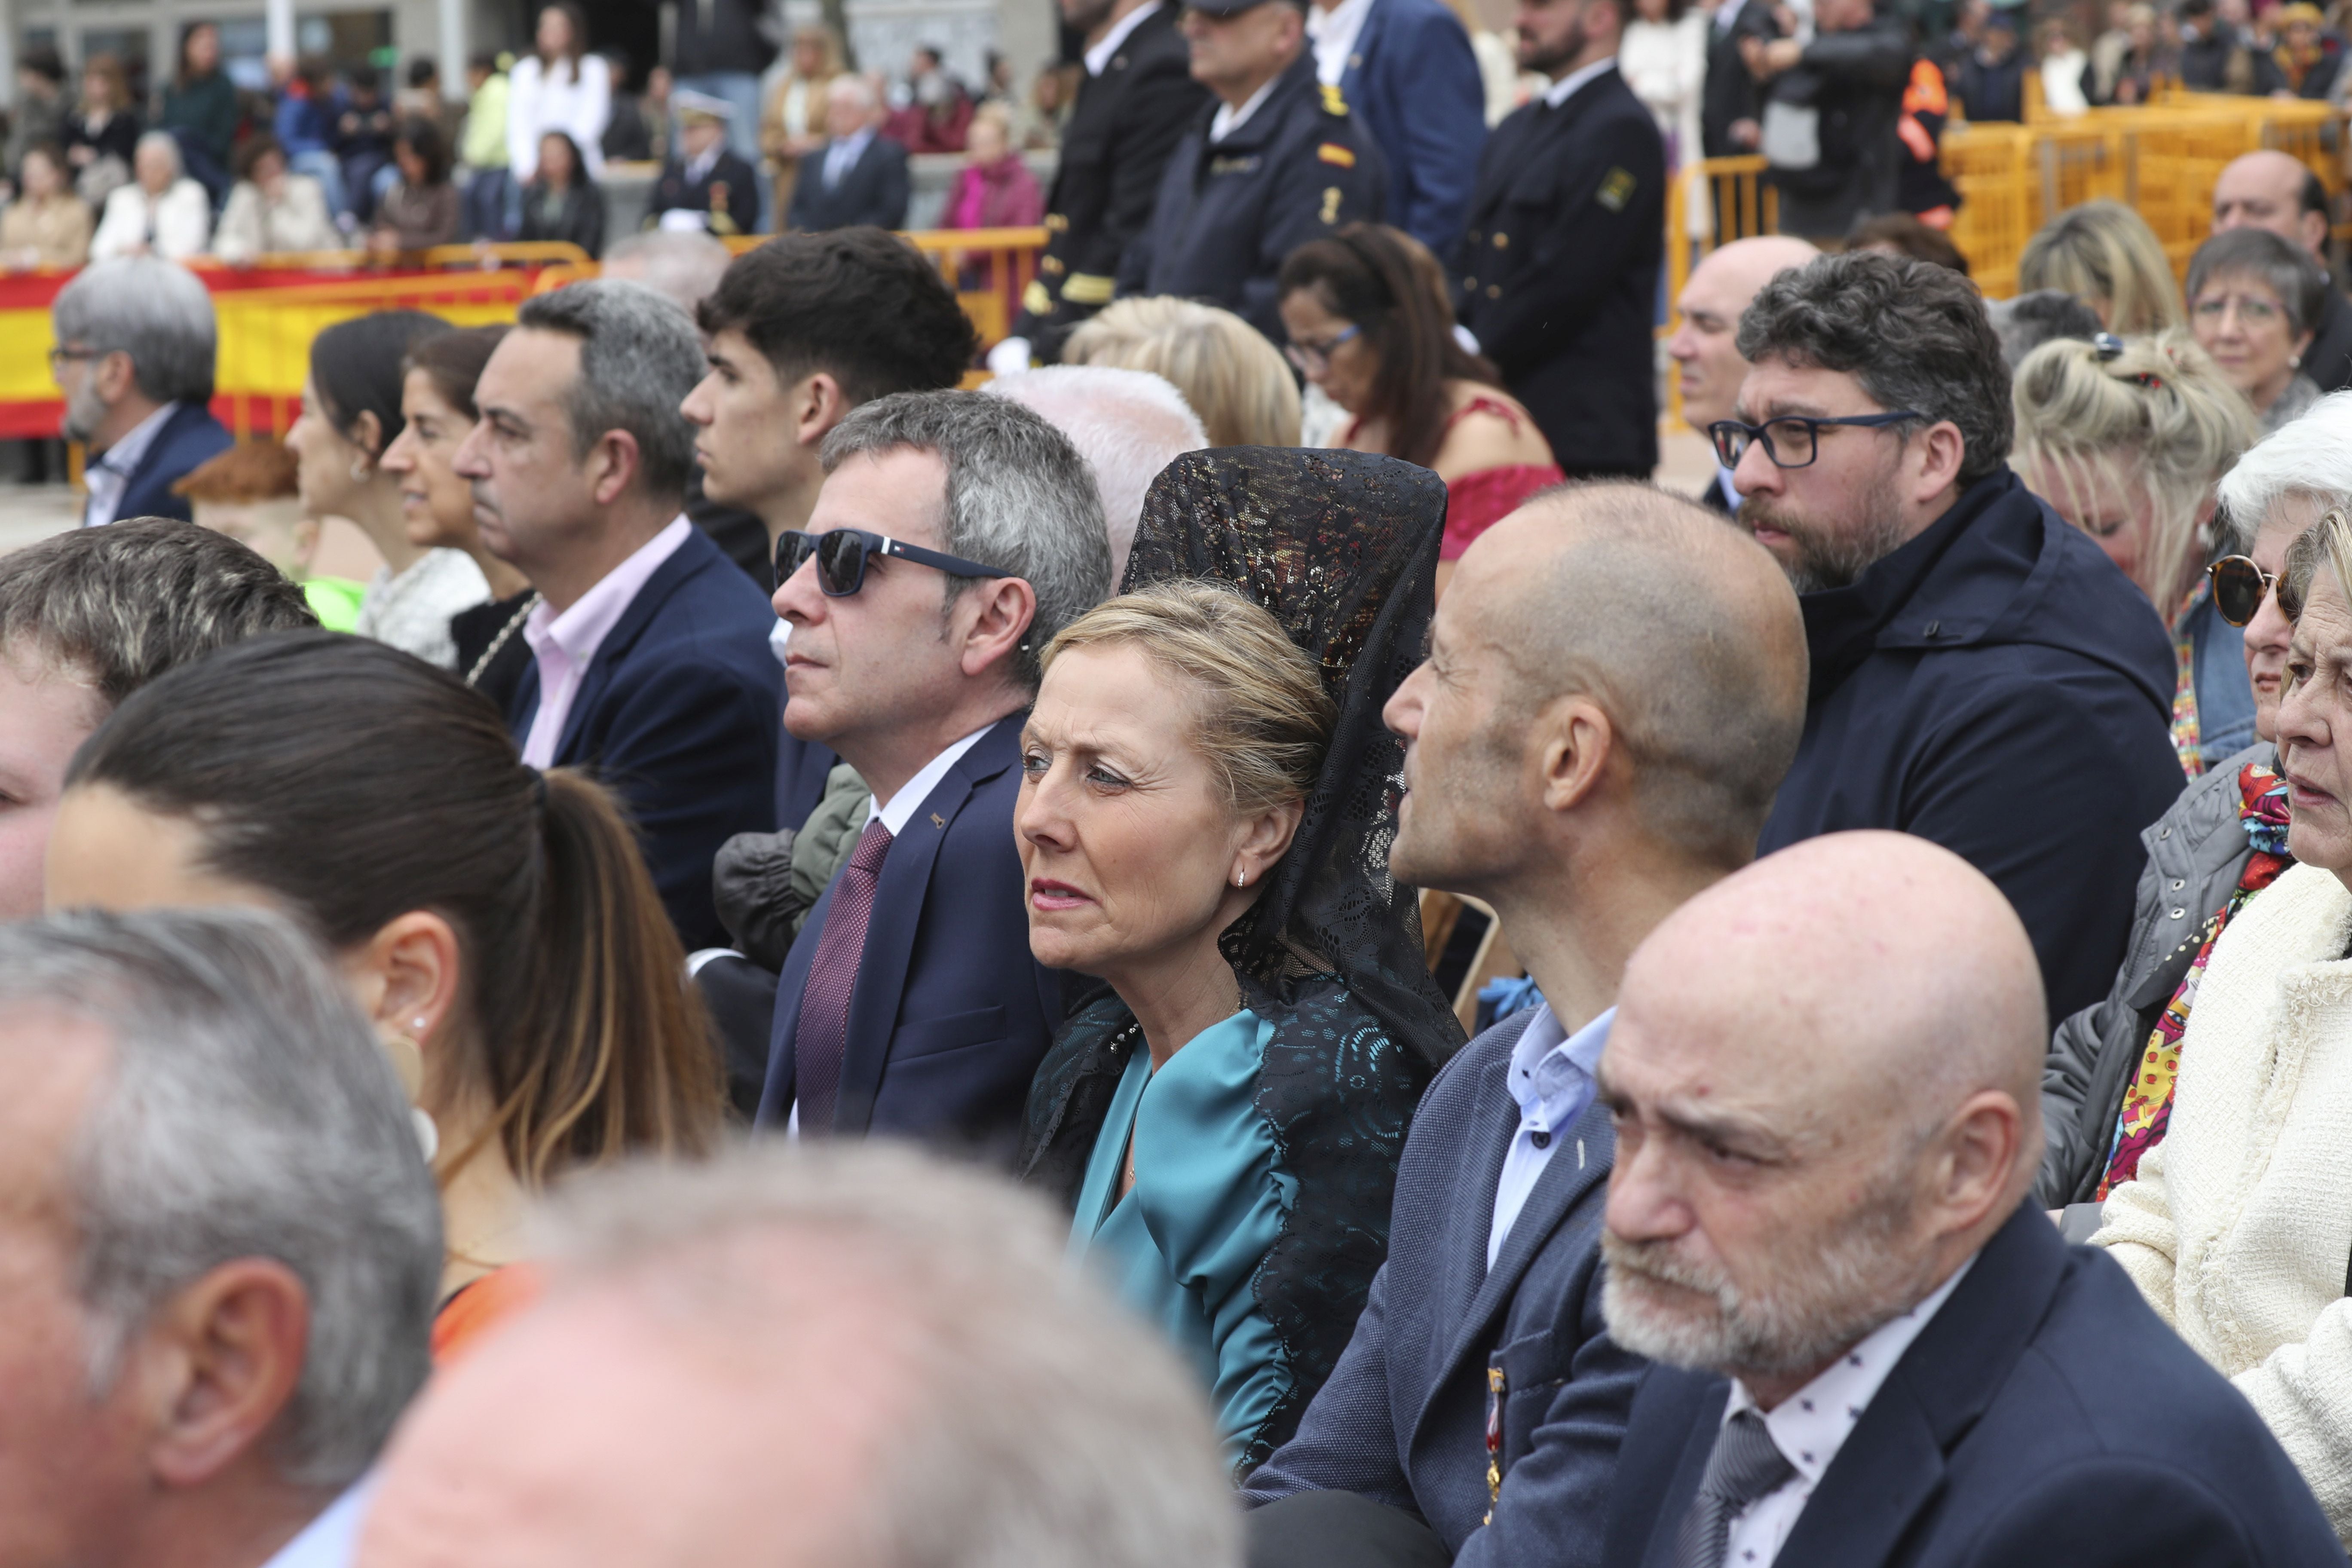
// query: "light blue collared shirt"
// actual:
[[1552, 1076]]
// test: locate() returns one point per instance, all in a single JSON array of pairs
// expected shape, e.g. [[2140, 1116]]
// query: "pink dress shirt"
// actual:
[[566, 645]]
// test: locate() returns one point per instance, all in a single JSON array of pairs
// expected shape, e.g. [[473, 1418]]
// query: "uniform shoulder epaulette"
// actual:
[[1333, 104]]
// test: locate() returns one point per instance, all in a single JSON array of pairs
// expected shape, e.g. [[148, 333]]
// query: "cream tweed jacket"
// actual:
[[2240, 1227]]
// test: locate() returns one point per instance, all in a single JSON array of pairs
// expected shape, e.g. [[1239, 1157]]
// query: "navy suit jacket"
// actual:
[[950, 1014], [873, 190], [1414, 78], [679, 715], [2045, 1416], [1403, 1418], [190, 438]]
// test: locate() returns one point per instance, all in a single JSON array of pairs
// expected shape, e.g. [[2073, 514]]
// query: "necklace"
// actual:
[[506, 635]]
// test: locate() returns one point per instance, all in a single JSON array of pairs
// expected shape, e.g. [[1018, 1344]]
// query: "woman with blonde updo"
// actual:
[[2127, 439], [1235, 380]]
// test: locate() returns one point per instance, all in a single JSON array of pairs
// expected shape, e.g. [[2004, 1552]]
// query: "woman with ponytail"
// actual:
[[497, 924]]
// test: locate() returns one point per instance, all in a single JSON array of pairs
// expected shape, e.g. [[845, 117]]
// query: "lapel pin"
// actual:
[[938, 821]]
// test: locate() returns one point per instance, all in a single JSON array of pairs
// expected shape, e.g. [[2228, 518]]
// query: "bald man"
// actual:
[[1615, 684], [2272, 190], [1874, 1351], [1706, 347]]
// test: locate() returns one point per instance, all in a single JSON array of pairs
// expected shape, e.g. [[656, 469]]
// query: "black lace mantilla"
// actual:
[[1342, 548]]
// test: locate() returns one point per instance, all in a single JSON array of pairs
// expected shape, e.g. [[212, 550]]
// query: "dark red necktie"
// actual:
[[824, 1035]]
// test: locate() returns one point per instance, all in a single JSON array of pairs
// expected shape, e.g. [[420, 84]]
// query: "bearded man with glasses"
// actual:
[[955, 535], [1983, 675]]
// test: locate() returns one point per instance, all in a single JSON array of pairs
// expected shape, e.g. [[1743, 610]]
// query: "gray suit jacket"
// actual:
[[1403, 1420]]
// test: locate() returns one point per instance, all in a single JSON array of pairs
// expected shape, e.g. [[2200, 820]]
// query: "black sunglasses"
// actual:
[[841, 556], [1791, 441], [2238, 587]]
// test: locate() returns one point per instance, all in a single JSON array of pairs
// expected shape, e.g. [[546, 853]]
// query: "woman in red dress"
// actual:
[[1369, 322]]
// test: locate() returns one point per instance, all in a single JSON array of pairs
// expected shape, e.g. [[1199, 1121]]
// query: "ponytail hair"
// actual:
[[354, 783]]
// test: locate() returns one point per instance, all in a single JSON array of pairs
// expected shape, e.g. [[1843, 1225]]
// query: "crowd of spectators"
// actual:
[[828, 966]]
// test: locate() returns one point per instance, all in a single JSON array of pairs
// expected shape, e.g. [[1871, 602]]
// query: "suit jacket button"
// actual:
[[1502, 241], [1471, 284], [1494, 290]]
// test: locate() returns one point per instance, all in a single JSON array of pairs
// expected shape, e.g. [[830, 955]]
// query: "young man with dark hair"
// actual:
[[86, 619], [802, 330]]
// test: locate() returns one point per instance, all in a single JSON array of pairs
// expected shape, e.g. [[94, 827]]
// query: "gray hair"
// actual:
[[1055, 1431], [116, 606], [168, 143], [1128, 425], [1913, 335], [1019, 498], [853, 87], [155, 311], [246, 1112], [677, 264], [2280, 265], [2309, 458], [639, 356]]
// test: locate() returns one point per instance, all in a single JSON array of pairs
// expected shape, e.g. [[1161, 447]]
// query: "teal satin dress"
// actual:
[[1210, 1198]]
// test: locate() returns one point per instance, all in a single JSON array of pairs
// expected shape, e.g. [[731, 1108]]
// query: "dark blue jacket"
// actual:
[[190, 438], [873, 190], [801, 768], [678, 713], [2045, 1418], [1998, 687], [1403, 1418], [1559, 274], [1229, 212], [1414, 78], [951, 1015]]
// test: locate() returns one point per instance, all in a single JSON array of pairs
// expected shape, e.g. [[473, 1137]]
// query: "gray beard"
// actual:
[[1861, 1276], [85, 412]]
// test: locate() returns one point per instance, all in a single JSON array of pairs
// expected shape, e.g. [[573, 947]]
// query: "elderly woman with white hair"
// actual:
[[2237, 1227], [160, 212], [2108, 1085]]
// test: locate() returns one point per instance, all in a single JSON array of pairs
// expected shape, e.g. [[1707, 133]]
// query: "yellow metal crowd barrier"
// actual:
[[2161, 159]]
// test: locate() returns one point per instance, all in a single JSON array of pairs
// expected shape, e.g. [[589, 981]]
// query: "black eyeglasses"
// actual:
[[1791, 441], [2238, 587], [841, 556]]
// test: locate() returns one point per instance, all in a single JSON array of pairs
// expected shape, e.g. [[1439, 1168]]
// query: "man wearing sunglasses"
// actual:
[[1976, 661], [955, 535]]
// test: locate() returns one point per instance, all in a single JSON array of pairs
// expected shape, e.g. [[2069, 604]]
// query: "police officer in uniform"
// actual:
[[1558, 273], [1279, 161], [1135, 102]]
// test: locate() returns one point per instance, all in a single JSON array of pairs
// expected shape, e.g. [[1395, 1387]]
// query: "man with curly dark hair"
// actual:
[[1982, 675]]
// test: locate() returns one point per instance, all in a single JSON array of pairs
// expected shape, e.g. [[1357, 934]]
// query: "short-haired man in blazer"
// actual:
[[1586, 639], [955, 535]]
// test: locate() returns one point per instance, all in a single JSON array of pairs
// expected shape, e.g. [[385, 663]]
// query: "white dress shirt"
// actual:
[[1551, 1077], [1229, 120], [842, 154], [895, 813], [331, 1539], [579, 103], [566, 645], [1566, 87], [1333, 34], [1811, 1424], [109, 475], [1099, 57]]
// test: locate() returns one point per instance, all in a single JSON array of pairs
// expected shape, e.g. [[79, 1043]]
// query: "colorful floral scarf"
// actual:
[[2148, 1102], [2187, 740]]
